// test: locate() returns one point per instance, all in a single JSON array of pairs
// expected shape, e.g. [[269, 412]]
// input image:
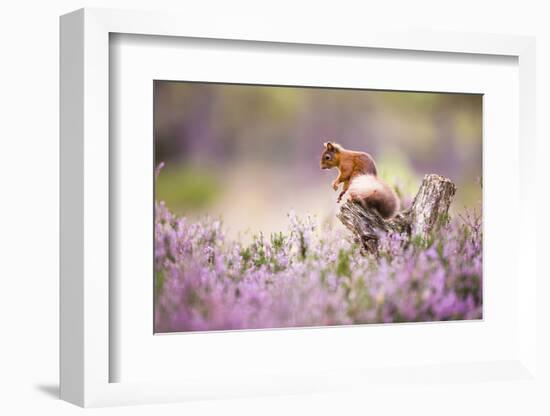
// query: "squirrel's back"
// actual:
[[372, 192]]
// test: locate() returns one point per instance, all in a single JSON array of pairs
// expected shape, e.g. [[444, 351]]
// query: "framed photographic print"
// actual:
[[267, 212], [224, 150]]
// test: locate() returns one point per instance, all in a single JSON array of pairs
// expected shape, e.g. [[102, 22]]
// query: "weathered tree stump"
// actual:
[[430, 207]]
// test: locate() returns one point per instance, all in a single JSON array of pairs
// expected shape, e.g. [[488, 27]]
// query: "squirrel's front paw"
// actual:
[[340, 196], [334, 186]]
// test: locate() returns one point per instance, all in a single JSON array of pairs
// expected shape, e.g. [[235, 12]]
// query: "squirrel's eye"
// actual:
[[327, 157]]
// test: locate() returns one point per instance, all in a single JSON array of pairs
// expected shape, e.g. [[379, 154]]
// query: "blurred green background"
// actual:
[[251, 153]]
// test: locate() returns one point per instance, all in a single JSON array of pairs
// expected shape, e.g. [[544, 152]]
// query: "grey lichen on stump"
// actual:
[[429, 208]]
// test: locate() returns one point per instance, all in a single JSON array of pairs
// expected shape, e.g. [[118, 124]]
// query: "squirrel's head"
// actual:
[[331, 155]]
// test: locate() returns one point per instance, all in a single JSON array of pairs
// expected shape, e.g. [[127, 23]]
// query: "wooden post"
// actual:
[[430, 207]]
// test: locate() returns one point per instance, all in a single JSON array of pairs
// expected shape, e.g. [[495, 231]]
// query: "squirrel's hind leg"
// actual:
[[385, 203]]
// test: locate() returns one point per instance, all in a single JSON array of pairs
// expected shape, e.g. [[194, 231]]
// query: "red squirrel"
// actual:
[[357, 171]]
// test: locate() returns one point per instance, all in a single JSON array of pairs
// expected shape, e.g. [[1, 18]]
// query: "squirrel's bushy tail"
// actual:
[[372, 192]]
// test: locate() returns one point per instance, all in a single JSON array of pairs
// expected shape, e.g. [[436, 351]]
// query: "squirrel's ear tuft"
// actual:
[[329, 146]]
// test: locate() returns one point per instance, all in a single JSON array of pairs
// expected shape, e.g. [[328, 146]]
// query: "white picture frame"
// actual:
[[85, 353]]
